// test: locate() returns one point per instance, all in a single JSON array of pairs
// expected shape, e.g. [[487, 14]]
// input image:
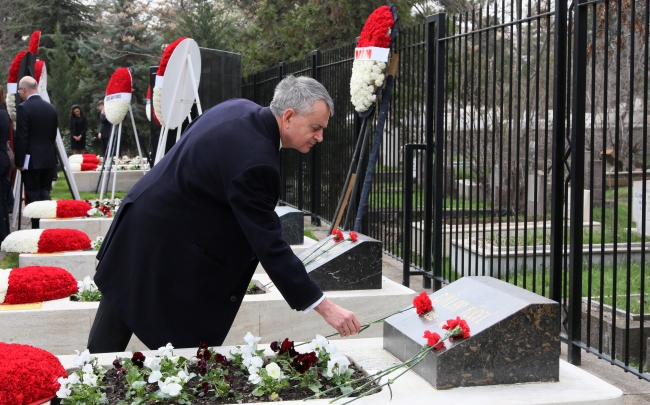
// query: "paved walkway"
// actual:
[[636, 391]]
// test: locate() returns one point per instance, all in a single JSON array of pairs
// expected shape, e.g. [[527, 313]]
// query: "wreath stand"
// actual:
[[60, 150], [185, 59], [112, 153]]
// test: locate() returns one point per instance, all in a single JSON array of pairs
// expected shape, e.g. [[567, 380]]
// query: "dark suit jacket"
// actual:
[[5, 127], [186, 240], [36, 124]]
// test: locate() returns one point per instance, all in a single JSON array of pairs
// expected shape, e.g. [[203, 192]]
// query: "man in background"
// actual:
[[36, 125]]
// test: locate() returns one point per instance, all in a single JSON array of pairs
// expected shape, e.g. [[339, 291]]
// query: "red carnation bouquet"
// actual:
[[45, 241], [160, 78], [118, 95], [23, 285], [370, 58], [28, 375]]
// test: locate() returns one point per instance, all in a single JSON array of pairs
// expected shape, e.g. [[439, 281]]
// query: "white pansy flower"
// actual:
[[152, 363], [318, 343], [330, 348], [86, 284], [73, 379], [254, 379], [253, 369], [64, 390], [338, 364], [90, 379], [87, 369], [236, 351], [166, 351], [251, 340], [274, 371], [170, 386], [155, 376], [246, 358], [183, 376], [83, 358]]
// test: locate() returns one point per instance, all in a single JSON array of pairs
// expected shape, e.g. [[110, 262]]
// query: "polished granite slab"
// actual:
[[293, 224], [515, 335]]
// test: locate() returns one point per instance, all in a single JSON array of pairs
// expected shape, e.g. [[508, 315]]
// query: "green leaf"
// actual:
[[346, 389]]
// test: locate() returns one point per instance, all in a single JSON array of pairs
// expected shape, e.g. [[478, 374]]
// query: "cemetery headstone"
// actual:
[[515, 335], [536, 195], [637, 204], [597, 168], [293, 224], [345, 265]]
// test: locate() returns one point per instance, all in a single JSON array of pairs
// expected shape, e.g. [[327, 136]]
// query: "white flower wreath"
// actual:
[[367, 76]]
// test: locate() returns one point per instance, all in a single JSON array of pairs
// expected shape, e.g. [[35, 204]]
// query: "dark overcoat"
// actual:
[[187, 238], [36, 126]]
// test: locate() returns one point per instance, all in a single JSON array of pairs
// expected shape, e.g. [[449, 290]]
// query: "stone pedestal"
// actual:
[[345, 265], [293, 224], [637, 205], [297, 249], [79, 264], [586, 210], [87, 181], [515, 335], [93, 227]]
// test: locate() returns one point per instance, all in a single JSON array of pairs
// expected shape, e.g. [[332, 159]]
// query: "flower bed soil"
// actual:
[[256, 290], [115, 389]]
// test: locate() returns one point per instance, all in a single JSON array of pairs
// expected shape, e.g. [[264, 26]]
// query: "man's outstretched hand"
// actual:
[[344, 321]]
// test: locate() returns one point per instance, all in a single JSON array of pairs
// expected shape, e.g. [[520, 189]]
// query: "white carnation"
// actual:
[[11, 106], [25, 241], [367, 75], [116, 110], [75, 167], [76, 159], [157, 104], [148, 111], [40, 209]]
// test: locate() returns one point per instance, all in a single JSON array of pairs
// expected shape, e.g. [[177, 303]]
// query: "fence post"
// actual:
[[316, 152], [438, 169], [434, 23], [255, 92], [577, 181], [559, 131]]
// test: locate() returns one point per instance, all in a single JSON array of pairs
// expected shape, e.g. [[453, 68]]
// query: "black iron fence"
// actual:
[[515, 147]]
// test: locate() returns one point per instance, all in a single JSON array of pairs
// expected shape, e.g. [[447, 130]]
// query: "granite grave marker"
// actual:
[[515, 335], [293, 225], [344, 265]]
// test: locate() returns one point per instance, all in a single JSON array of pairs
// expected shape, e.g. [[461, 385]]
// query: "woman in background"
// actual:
[[78, 127], [5, 129]]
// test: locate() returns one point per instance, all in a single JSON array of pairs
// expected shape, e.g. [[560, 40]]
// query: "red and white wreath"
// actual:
[[118, 95], [12, 79], [45, 241], [148, 103], [83, 163], [371, 56], [160, 78], [57, 209]]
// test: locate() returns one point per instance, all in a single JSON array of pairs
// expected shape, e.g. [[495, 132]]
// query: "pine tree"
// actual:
[[211, 24]]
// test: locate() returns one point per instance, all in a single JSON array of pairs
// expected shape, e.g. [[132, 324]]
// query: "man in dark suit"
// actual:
[[175, 265], [36, 124]]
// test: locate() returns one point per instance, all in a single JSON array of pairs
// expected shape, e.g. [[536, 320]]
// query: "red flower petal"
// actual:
[[62, 240], [15, 65], [422, 303], [375, 31], [167, 53], [39, 283], [33, 42], [432, 339], [120, 82], [28, 374], [72, 208], [353, 236]]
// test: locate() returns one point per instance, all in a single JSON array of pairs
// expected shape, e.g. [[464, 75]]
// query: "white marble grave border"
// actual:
[[80, 264], [575, 387], [91, 226]]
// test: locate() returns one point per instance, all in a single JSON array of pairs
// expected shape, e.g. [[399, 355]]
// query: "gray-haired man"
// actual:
[[185, 243]]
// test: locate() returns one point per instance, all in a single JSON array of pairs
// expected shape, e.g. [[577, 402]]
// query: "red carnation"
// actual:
[[120, 82], [39, 283], [28, 374], [422, 303], [167, 53], [15, 65], [338, 235], [72, 208], [90, 158], [353, 236], [33, 42], [88, 167], [61, 240], [432, 339], [376, 30], [457, 327], [38, 70]]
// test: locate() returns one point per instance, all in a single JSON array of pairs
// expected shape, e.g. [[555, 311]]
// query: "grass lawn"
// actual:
[[60, 191], [10, 261]]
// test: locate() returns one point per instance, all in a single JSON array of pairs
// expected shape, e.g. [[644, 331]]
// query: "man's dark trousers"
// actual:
[[38, 183]]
